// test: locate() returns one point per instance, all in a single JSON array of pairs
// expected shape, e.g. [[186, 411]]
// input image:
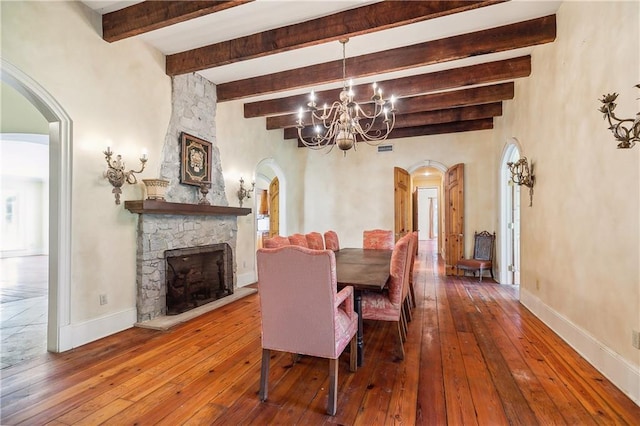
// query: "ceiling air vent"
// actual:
[[385, 148]]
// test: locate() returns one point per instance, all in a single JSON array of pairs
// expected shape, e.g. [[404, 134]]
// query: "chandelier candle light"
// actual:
[[345, 122], [625, 131], [116, 174]]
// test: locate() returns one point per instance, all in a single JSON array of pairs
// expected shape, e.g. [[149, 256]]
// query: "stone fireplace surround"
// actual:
[[166, 226]]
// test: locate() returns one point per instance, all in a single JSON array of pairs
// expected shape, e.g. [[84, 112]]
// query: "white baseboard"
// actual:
[[614, 367], [74, 335], [246, 279]]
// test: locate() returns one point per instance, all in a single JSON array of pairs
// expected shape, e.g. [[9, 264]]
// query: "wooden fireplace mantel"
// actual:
[[163, 207]]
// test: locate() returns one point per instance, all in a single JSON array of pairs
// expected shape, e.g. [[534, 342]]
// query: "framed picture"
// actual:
[[196, 160]]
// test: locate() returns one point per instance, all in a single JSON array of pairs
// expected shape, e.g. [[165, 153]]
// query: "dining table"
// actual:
[[364, 270]]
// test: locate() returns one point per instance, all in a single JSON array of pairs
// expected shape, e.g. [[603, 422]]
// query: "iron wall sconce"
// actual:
[[244, 192], [521, 174], [626, 135], [116, 174]]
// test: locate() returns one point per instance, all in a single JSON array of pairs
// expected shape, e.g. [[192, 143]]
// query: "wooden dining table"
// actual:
[[365, 270]]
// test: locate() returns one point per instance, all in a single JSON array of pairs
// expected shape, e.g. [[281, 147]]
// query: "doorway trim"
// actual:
[[506, 203], [60, 176]]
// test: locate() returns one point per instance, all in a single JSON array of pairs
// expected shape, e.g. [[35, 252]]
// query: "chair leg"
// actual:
[[481, 271], [332, 405], [491, 271], [264, 374], [353, 354], [400, 340], [403, 325], [413, 295], [408, 307]]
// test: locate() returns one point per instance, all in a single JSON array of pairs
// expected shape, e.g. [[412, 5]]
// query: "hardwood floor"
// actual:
[[474, 355]]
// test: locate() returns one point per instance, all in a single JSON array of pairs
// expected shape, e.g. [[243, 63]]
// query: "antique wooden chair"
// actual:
[[302, 312], [482, 255]]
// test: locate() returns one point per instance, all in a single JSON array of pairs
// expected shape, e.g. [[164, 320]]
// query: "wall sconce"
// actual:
[[244, 192], [628, 136], [117, 176], [521, 175]]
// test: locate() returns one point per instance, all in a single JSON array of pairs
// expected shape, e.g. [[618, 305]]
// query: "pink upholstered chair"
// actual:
[[387, 306], [378, 239], [276, 241], [298, 240], [302, 313], [315, 241], [331, 241]]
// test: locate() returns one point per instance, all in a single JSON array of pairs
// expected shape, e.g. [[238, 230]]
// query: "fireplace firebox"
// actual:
[[198, 275]]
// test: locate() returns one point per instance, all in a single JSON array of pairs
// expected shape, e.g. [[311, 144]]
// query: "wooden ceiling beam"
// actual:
[[152, 15], [489, 72], [438, 129], [431, 102], [350, 23], [508, 37], [419, 119]]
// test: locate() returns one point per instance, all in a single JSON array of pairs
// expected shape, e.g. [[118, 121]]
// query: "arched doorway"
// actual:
[[427, 180], [60, 130], [509, 217], [266, 171]]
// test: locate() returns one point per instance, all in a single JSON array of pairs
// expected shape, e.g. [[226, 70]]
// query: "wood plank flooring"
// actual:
[[474, 355]]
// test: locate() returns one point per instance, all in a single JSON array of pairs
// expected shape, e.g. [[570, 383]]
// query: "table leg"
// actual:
[[360, 335]]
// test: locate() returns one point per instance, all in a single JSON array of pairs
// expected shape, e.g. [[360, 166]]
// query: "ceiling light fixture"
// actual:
[[345, 122]]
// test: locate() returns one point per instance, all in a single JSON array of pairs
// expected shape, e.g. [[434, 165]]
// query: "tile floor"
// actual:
[[23, 308]]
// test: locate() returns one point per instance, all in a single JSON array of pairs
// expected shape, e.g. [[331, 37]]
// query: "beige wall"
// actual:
[[580, 240], [116, 94], [356, 192]]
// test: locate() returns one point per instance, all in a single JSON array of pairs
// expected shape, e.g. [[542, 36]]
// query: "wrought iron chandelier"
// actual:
[[345, 122]]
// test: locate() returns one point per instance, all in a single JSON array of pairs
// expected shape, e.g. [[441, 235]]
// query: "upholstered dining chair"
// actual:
[[331, 241], [315, 241], [276, 241], [412, 293], [302, 312], [378, 239], [298, 240], [482, 254], [387, 306]]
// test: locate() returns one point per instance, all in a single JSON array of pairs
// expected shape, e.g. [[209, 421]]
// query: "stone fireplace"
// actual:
[[197, 276], [181, 223], [173, 228]]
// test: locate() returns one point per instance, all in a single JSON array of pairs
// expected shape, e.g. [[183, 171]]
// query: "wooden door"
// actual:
[[454, 216], [274, 207], [401, 185]]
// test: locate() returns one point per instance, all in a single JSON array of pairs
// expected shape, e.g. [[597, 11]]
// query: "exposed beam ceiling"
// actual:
[[450, 63]]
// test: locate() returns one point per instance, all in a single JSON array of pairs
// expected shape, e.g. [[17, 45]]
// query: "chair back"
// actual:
[[331, 241], [276, 241], [298, 240], [411, 250], [297, 287], [398, 272], [315, 241], [483, 245], [378, 239]]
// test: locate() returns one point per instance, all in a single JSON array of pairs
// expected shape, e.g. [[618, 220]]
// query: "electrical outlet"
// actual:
[[635, 339], [103, 299]]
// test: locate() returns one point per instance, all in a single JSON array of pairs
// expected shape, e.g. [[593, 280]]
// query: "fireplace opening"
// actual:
[[197, 276]]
